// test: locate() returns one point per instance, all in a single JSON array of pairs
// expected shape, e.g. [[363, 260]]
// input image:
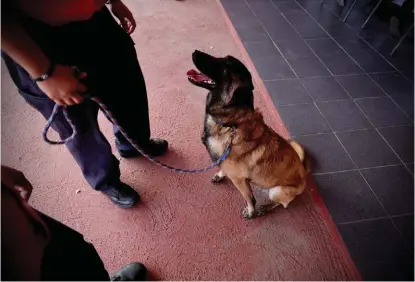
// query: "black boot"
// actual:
[[123, 196], [155, 148], [133, 272]]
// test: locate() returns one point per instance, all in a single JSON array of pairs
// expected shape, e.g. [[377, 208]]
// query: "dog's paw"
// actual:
[[247, 213], [216, 179], [262, 210]]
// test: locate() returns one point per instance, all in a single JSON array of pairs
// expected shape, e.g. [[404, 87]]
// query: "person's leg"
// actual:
[[68, 257], [90, 148], [119, 82]]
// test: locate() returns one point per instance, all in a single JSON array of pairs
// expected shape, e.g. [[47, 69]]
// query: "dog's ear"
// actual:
[[239, 93]]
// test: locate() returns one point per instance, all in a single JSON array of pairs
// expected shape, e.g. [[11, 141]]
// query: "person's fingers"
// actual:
[[60, 102], [24, 192], [76, 98], [133, 24], [124, 25], [68, 101]]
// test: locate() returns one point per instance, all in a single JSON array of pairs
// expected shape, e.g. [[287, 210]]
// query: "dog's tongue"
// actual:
[[197, 76]]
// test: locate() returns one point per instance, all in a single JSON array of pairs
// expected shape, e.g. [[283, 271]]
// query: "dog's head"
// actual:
[[227, 79]]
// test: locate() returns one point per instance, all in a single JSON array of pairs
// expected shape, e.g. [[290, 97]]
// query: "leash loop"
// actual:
[[57, 108]]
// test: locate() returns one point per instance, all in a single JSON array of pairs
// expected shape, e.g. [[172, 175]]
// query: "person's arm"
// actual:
[[123, 14], [62, 86], [21, 48]]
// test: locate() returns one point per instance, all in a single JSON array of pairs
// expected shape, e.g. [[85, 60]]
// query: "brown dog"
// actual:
[[258, 154]]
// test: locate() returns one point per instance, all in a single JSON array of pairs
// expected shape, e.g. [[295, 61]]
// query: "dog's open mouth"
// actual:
[[199, 79]]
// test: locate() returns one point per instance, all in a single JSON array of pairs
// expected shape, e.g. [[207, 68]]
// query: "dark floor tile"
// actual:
[[305, 25], [339, 30], [262, 50], [406, 103], [347, 196], [344, 115], [394, 84], [401, 139], [341, 64], [287, 6], [324, 89], [367, 148], [239, 12], [408, 73], [273, 68], [378, 251], [264, 9], [280, 30], [324, 17], [364, 55], [405, 225], [294, 49], [410, 167], [303, 119], [360, 86], [394, 187], [325, 47], [252, 33], [308, 67], [325, 152], [269, 15], [286, 92], [313, 7], [383, 112]]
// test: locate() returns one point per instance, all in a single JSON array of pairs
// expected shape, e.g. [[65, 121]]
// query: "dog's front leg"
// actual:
[[218, 177], [245, 188]]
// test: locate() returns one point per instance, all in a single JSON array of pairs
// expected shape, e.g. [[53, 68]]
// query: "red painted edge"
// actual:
[[318, 200]]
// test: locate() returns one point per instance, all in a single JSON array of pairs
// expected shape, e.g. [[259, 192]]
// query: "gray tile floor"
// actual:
[[351, 105]]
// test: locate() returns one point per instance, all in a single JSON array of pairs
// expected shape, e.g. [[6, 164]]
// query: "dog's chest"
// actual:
[[212, 138]]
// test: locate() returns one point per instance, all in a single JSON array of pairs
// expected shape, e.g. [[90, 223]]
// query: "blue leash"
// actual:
[[108, 114]]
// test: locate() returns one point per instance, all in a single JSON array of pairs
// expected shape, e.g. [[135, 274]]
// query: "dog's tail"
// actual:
[[302, 155]]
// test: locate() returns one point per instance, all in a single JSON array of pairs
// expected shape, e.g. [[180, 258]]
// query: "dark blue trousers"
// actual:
[[107, 54]]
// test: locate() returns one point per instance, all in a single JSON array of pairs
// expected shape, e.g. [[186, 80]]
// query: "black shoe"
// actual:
[[133, 272], [155, 148], [123, 196]]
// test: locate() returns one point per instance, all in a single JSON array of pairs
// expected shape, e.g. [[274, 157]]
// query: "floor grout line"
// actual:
[[328, 76], [363, 220], [346, 131], [373, 219], [402, 215], [356, 169]]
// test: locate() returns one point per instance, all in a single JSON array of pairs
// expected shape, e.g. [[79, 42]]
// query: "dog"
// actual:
[[258, 155]]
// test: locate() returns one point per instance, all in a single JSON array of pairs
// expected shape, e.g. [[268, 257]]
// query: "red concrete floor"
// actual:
[[186, 228]]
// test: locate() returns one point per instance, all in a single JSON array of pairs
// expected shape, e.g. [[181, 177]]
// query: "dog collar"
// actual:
[[224, 124]]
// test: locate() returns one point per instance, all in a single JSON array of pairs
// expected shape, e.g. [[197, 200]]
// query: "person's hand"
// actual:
[[124, 15], [15, 179], [64, 86]]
